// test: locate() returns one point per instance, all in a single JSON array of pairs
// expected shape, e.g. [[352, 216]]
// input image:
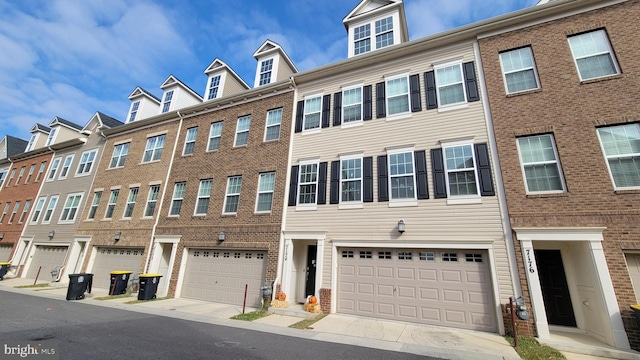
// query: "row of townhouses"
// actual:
[[424, 181]]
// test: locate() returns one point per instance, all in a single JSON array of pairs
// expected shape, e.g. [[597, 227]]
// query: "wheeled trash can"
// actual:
[[148, 286], [4, 267], [78, 285], [119, 281]]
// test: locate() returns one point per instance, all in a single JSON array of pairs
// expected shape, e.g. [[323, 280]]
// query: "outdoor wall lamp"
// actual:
[[401, 226], [1, 236], [51, 233], [116, 236], [221, 236]]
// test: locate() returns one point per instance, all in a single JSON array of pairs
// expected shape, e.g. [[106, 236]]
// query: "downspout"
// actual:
[[164, 190], [504, 213]]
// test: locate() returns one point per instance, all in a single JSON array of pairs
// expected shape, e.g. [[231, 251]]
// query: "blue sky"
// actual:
[[71, 58]]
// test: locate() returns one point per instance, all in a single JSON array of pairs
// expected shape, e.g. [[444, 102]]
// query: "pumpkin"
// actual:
[[313, 299], [282, 296]]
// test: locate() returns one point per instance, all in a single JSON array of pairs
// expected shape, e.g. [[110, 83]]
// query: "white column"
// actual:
[[287, 261], [535, 291], [319, 264]]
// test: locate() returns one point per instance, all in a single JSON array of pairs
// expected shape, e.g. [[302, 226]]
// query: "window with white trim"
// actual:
[[176, 200], [265, 72], [51, 137], [7, 206], [308, 184], [3, 174], [312, 112], [94, 204], [214, 84], [272, 130], [119, 155], [242, 130], [133, 111], [70, 208], [402, 180], [153, 150], [232, 198], [32, 169], [54, 168], [621, 148], [460, 168], [14, 212], [11, 176], [397, 91], [519, 70], [32, 143], [214, 136], [166, 103], [25, 211], [190, 141], [53, 201], [352, 104], [21, 174], [593, 55], [384, 32], [65, 166], [86, 162], [204, 194], [43, 166], [111, 205], [266, 184], [131, 202], [362, 39], [38, 209], [152, 200], [539, 162], [351, 180], [450, 85]]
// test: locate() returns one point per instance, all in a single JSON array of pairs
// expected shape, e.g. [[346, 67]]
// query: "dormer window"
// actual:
[[134, 111], [265, 72], [52, 136], [166, 103], [384, 32], [384, 36], [32, 143], [213, 87], [362, 39]]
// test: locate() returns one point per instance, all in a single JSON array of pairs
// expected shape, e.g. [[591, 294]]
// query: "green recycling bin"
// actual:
[[4, 267], [119, 281], [148, 286]]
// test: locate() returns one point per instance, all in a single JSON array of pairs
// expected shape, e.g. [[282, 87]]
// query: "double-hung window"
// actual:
[[352, 104], [397, 90], [593, 55], [232, 198], [190, 141], [134, 111], [308, 184], [3, 174], [214, 136], [540, 166], [153, 150], [65, 166], [362, 39], [166, 103], [86, 162], [51, 137], [450, 86], [94, 204], [384, 32], [38, 209], [14, 212], [54, 169], [519, 70], [119, 155], [402, 180], [131, 202], [265, 72], [242, 130], [111, 205], [32, 169], [11, 176], [214, 83], [459, 163], [351, 180], [204, 193], [176, 200], [53, 201], [25, 211], [43, 166], [272, 130], [266, 184], [70, 208], [32, 143], [21, 174], [621, 148], [152, 200], [312, 112], [7, 206]]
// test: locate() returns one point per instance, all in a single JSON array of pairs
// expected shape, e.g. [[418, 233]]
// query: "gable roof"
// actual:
[[14, 145], [269, 47], [66, 123], [138, 91], [174, 81], [374, 7], [103, 121], [217, 65], [40, 127]]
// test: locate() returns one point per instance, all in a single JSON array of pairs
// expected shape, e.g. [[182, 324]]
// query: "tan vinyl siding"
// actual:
[[182, 98], [231, 86]]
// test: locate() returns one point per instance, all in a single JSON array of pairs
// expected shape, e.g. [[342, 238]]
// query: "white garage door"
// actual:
[[46, 258], [112, 259], [440, 287], [5, 252], [220, 275]]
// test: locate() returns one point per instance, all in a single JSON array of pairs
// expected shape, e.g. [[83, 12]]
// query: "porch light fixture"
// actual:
[[51, 233], [221, 236], [116, 236], [401, 226]]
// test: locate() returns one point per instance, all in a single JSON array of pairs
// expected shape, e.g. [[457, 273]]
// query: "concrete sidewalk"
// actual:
[[443, 342]]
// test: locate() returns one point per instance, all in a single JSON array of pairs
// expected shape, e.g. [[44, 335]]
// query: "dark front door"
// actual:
[[555, 292], [310, 286]]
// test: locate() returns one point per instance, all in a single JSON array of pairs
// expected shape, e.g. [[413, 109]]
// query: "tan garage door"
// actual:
[[111, 259], [220, 275], [633, 264], [5, 252], [440, 287], [46, 258]]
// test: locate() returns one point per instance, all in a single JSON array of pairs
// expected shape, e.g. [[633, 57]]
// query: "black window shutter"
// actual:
[[335, 182], [293, 186], [367, 103], [299, 116], [380, 100], [430, 86], [470, 81], [484, 170], [421, 174], [414, 86], [367, 179], [322, 183], [383, 183], [437, 168], [326, 110], [337, 109]]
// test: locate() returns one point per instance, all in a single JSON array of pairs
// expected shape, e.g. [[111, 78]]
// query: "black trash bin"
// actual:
[[119, 281], [148, 286], [78, 285], [4, 267]]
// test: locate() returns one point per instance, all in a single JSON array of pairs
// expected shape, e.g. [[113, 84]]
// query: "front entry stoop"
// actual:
[[295, 310]]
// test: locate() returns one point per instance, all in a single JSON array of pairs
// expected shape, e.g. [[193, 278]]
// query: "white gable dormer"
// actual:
[[375, 24], [143, 105], [62, 130], [273, 64], [177, 95], [222, 81], [39, 135]]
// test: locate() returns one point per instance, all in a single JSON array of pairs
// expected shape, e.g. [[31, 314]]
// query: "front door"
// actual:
[[555, 291], [310, 286]]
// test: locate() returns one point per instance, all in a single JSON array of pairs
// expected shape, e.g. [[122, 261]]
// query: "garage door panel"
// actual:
[[429, 294], [451, 275], [111, 259], [5, 252], [365, 271], [430, 314], [427, 275], [45, 259], [386, 309], [407, 292], [385, 290], [406, 274], [455, 316], [408, 311]]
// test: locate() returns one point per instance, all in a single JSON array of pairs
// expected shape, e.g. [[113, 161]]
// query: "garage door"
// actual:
[[220, 275], [5, 252], [633, 264], [46, 258], [440, 287], [111, 259]]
